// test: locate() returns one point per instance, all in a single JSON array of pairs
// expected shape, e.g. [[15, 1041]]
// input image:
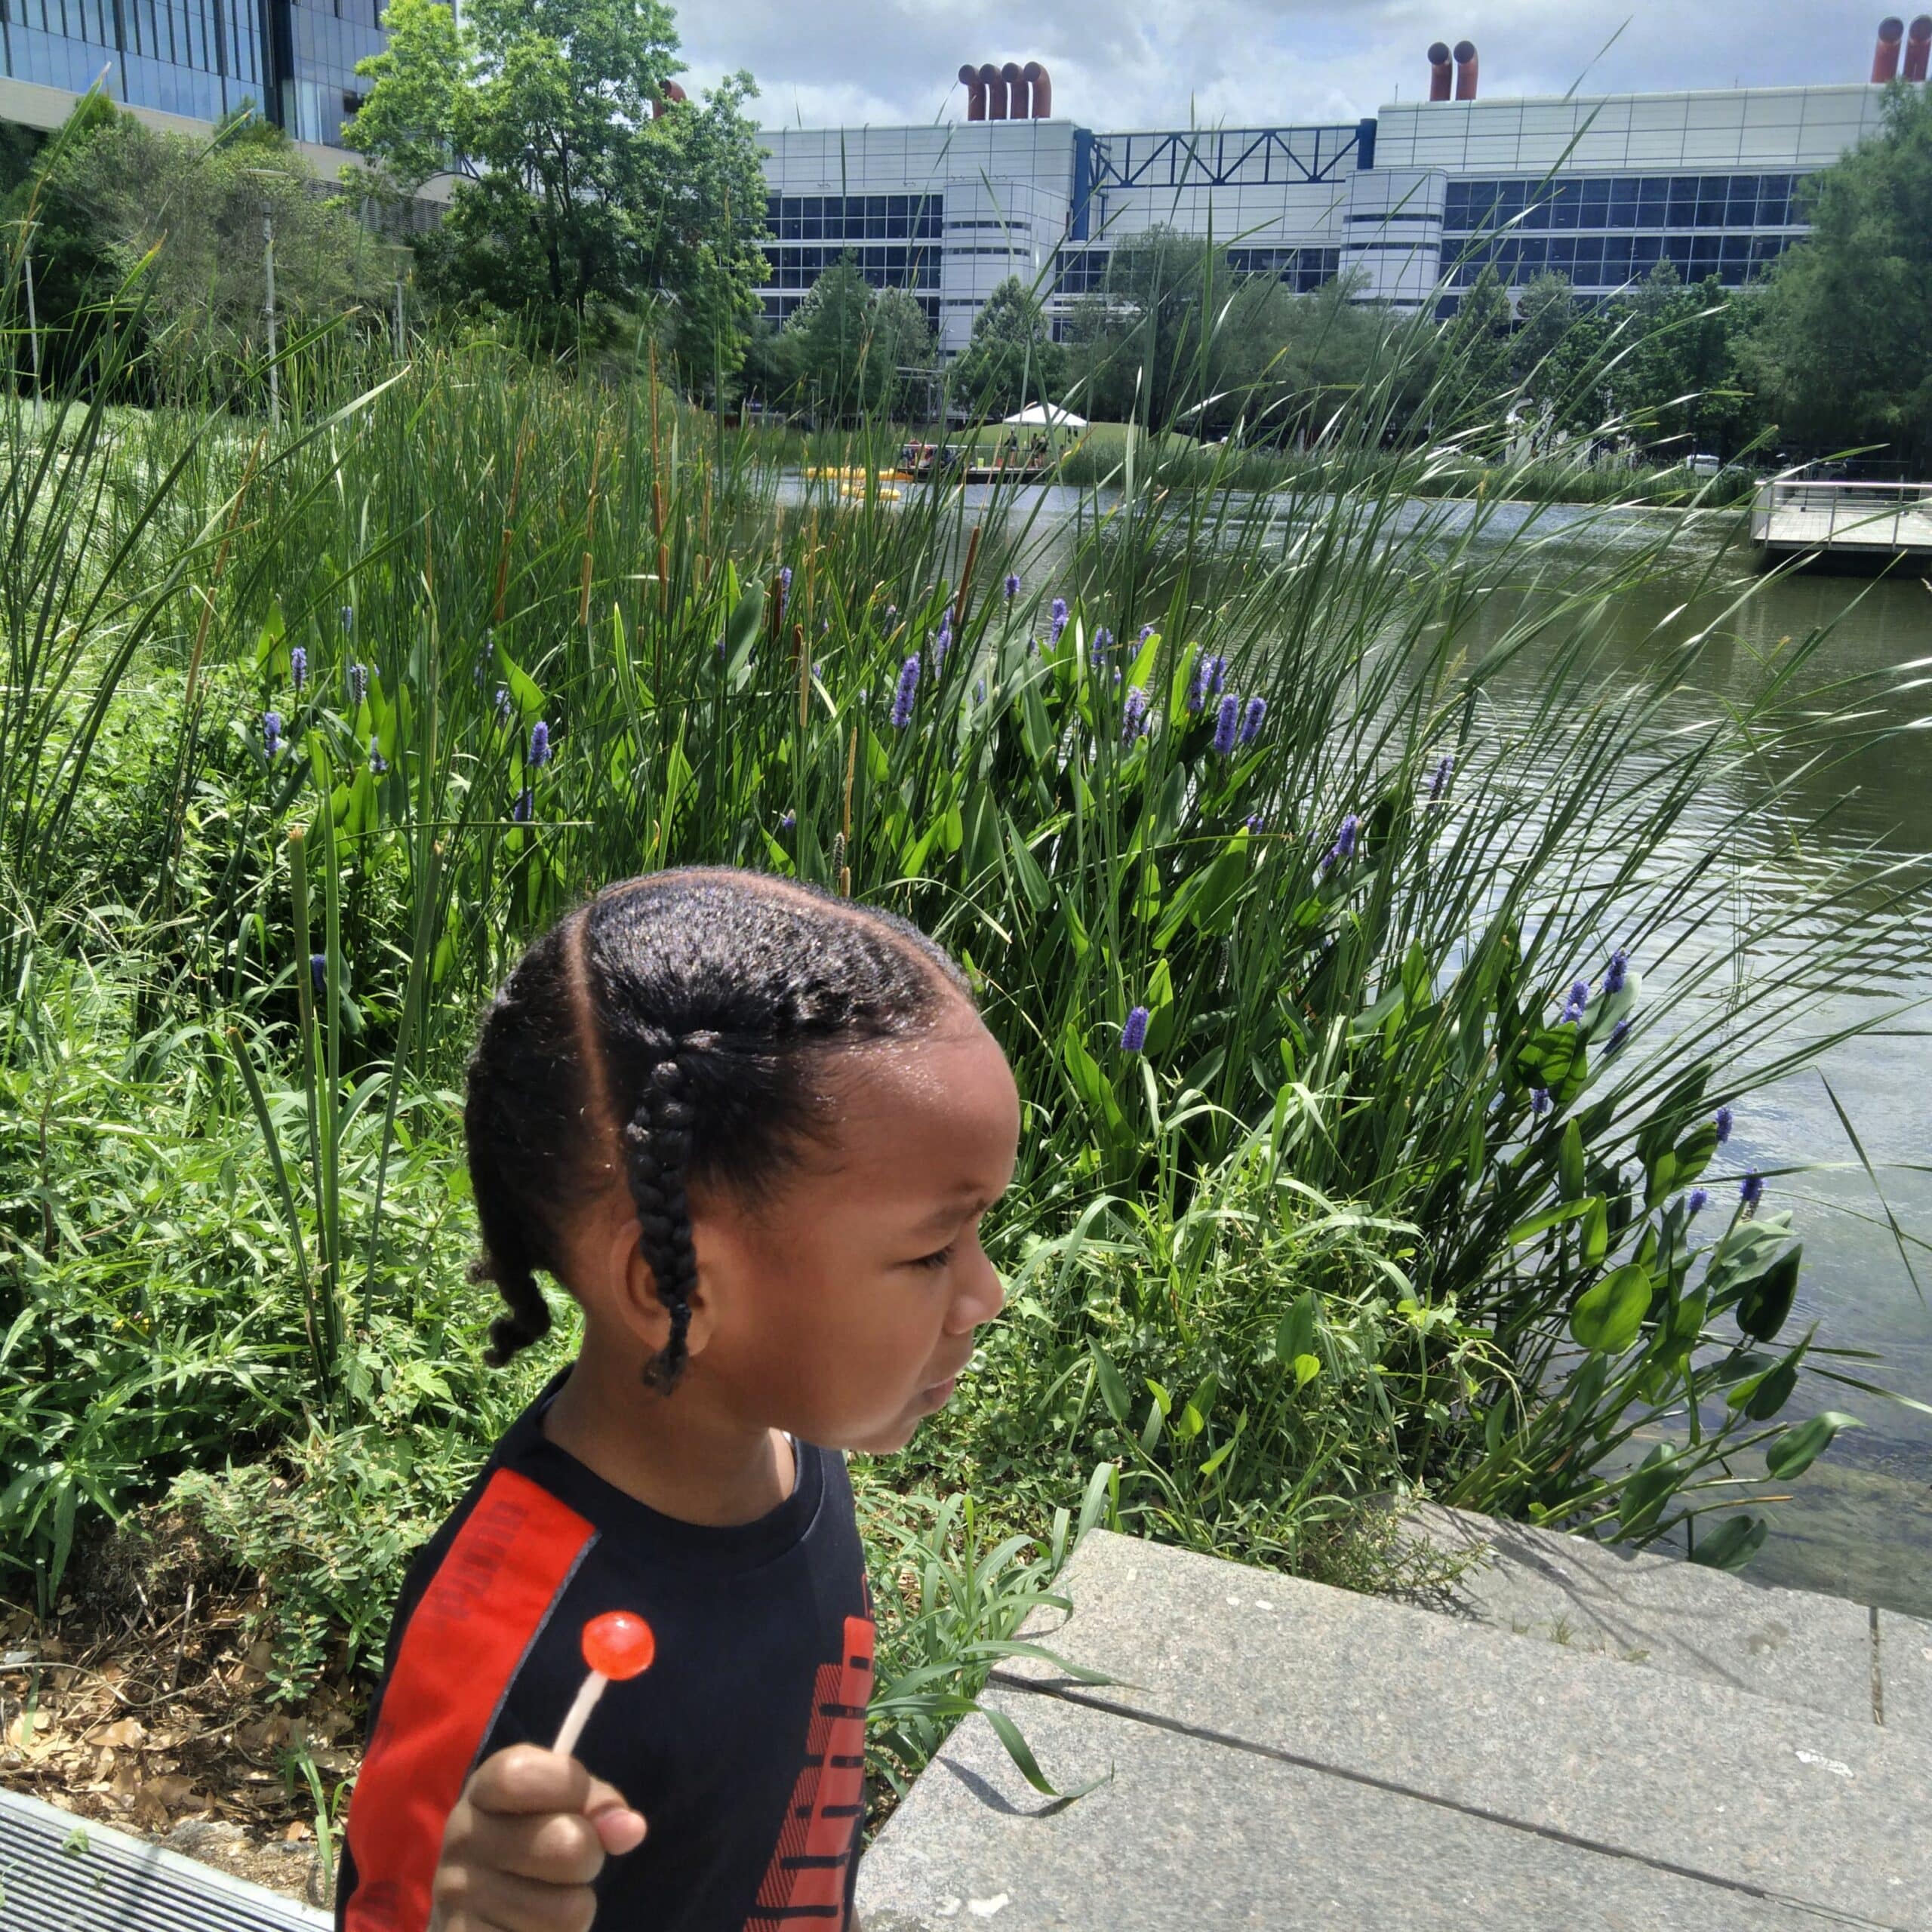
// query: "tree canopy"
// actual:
[[1012, 359], [1843, 347], [574, 196]]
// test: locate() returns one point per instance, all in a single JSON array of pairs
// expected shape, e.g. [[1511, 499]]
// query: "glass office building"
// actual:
[[293, 59], [1412, 204]]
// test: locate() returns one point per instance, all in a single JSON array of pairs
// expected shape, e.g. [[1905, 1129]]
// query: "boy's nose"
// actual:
[[981, 1297]]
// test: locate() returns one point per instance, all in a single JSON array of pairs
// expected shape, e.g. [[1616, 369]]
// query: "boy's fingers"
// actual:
[[619, 1828], [501, 1902], [527, 1778], [550, 1848]]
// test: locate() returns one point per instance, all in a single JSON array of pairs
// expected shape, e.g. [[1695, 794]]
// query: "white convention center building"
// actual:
[[1600, 188]]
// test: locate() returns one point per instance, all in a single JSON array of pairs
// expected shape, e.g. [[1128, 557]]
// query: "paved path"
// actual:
[[1566, 1737]]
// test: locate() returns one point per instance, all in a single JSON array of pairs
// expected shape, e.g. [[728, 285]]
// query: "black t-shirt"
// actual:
[[742, 1744]]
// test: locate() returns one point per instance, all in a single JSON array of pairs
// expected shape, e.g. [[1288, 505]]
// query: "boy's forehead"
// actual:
[[941, 1109]]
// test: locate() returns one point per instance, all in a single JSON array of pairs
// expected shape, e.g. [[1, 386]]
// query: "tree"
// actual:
[[1012, 359], [1843, 345], [903, 348], [575, 195], [178, 222], [1144, 349], [1475, 383], [1558, 356], [826, 348]]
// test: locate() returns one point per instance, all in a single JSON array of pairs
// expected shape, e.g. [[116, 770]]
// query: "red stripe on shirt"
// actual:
[[472, 1628]]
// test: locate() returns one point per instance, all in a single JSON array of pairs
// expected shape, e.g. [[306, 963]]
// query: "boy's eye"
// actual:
[[938, 1259]]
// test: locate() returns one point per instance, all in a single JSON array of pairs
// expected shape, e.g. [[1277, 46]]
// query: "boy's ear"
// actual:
[[638, 1305]]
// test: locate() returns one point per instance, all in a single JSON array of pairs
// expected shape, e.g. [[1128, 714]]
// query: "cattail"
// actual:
[[1134, 1032], [909, 684]]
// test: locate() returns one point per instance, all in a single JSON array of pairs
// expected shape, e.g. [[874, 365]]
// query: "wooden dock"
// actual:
[[1854, 526]]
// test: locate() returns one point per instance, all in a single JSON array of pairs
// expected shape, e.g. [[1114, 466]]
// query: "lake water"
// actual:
[[1859, 1522]]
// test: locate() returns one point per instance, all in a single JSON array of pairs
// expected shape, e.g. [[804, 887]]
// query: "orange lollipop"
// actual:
[[616, 1646]]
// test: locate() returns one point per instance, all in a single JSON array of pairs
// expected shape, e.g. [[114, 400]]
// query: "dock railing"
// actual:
[[1794, 513]]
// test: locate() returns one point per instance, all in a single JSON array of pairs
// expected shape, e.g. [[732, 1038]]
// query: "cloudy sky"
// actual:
[[1158, 63]]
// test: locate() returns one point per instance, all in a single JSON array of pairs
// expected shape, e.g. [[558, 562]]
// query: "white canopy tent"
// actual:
[[1044, 415]]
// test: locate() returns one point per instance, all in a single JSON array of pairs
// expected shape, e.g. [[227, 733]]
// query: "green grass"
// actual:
[[1325, 1238]]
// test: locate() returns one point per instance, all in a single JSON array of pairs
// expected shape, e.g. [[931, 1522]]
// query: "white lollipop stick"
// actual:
[[579, 1714]]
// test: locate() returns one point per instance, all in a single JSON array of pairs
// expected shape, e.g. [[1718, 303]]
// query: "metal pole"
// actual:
[[267, 273], [33, 335], [398, 318]]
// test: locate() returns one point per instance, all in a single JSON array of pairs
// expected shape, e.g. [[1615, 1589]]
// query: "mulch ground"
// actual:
[[142, 1702]]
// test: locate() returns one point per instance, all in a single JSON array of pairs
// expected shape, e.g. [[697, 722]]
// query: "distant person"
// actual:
[[751, 1129]]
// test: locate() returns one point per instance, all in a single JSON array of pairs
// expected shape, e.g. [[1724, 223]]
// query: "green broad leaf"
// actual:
[[1795, 1451], [1746, 1251], [1025, 868], [1142, 668], [1601, 1016], [272, 645], [1295, 1334], [1733, 1545], [1570, 1162], [1607, 1318], [1764, 1304], [1307, 1368], [1160, 1011], [1113, 1386], [1157, 1421], [1552, 1217], [1595, 1241], [1646, 1490], [741, 632], [1083, 1071], [1189, 1422], [525, 699], [1761, 1396], [1213, 907], [1365, 1025], [1694, 1151], [951, 828]]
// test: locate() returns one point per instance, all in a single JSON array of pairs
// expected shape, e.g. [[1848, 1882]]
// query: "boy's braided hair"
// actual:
[[682, 1011]]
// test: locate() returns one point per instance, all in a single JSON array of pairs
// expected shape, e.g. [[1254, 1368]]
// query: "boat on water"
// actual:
[[958, 464]]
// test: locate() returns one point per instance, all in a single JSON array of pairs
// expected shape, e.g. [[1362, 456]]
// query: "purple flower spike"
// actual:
[[1620, 965], [1103, 642], [1696, 1200], [1059, 618], [1347, 838], [1197, 685], [891, 611], [909, 684], [357, 679], [1146, 631], [272, 732], [1012, 585], [1250, 724], [318, 971], [1539, 1101], [941, 641], [789, 823], [1618, 1035], [1217, 672], [1573, 1006], [298, 668], [1133, 715], [526, 803], [1444, 770], [784, 589], [1751, 1188], [377, 763], [1226, 724], [539, 746], [1724, 1120], [504, 699], [1256, 824], [1134, 1032]]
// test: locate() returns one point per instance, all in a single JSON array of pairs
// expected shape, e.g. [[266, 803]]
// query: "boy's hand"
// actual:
[[530, 1832]]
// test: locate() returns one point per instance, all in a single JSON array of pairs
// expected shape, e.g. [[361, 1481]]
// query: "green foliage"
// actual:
[[1844, 351], [1012, 359], [578, 204], [846, 353]]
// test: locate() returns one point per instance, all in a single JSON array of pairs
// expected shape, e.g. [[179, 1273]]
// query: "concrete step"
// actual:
[[1651, 1608], [1276, 1752]]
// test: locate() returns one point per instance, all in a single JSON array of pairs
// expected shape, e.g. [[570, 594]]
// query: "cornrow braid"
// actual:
[[682, 1016]]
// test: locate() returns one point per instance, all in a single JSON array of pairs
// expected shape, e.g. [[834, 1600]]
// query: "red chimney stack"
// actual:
[[1041, 82], [976, 92], [1016, 90], [995, 84], [1885, 55], [1917, 47], [1441, 73], [1007, 93], [1465, 70]]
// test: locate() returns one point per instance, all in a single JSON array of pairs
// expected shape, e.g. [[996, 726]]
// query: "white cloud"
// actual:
[[1132, 64]]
